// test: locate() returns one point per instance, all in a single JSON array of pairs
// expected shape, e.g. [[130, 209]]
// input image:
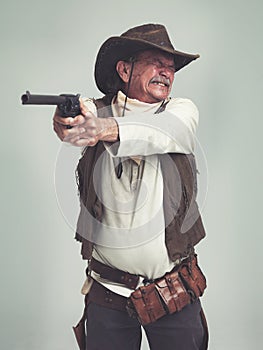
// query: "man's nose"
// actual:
[[165, 72]]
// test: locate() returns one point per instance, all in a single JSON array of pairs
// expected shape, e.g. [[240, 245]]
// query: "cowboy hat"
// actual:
[[144, 37]]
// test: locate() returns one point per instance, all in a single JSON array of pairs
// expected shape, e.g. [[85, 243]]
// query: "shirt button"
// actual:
[[133, 186]]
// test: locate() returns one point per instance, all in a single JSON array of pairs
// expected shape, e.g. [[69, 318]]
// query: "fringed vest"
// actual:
[[183, 223]]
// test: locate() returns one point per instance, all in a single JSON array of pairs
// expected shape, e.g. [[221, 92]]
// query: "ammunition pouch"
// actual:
[[168, 294]]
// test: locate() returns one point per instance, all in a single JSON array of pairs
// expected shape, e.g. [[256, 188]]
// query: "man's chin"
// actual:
[[160, 93], [160, 96]]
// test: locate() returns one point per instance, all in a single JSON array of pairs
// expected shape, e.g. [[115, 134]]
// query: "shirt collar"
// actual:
[[132, 105]]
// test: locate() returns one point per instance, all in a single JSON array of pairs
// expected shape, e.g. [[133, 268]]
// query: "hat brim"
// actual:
[[117, 48]]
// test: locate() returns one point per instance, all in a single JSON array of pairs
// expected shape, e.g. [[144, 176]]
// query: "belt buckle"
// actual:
[[147, 281]]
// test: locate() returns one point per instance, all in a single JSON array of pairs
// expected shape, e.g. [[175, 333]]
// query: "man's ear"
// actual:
[[123, 69]]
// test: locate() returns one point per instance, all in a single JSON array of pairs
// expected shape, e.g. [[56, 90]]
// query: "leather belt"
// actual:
[[103, 296], [113, 275]]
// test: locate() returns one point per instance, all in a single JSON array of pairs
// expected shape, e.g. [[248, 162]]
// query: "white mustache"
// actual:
[[160, 79]]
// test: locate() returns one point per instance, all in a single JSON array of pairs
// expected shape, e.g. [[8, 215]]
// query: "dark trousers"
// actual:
[[109, 329]]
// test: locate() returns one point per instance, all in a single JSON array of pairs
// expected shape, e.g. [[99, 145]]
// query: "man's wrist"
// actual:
[[109, 130]]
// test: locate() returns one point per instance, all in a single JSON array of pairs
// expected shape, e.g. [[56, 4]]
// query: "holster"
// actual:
[[79, 330], [168, 294], [193, 278]]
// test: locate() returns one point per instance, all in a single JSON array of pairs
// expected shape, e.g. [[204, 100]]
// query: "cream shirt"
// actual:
[[132, 234]]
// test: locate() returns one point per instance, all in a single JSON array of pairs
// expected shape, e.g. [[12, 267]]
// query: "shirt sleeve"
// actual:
[[172, 131]]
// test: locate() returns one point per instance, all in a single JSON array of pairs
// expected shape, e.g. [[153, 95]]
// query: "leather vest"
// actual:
[[183, 223]]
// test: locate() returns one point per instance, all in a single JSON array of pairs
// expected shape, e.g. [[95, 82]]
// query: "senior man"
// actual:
[[139, 221]]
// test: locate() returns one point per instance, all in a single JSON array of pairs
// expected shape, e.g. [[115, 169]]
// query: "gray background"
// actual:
[[50, 47]]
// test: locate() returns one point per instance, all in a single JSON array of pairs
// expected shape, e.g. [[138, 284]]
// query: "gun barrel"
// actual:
[[29, 99]]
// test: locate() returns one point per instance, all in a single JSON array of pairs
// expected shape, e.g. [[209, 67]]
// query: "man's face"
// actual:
[[152, 76]]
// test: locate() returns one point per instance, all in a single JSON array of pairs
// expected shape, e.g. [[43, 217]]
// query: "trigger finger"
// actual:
[[78, 120]]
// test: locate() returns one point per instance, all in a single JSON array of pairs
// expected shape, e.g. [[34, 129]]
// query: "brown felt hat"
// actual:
[[146, 36]]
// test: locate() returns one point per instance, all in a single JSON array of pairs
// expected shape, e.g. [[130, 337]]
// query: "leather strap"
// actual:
[[101, 295], [113, 275], [206, 332], [80, 329]]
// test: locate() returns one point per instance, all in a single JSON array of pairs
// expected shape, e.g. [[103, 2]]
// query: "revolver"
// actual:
[[68, 104]]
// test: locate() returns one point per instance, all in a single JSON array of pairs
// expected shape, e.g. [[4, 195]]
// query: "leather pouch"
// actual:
[[173, 293], [146, 304], [193, 278], [168, 294]]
